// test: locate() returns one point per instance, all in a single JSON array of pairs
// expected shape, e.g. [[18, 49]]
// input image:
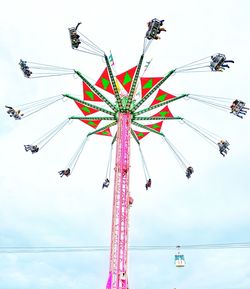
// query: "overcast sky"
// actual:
[[38, 208]]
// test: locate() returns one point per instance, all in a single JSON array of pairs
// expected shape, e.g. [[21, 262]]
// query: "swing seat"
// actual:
[[217, 61], [220, 61], [72, 30], [154, 28], [74, 38], [241, 104]]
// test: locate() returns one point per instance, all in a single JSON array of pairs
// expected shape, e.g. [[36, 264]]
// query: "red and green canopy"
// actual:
[[147, 83], [162, 96], [93, 123], [86, 110], [165, 112], [126, 78], [104, 82], [88, 94], [141, 134], [105, 132], [156, 126]]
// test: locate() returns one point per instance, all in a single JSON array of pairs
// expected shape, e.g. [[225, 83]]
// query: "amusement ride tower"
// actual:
[[131, 90]]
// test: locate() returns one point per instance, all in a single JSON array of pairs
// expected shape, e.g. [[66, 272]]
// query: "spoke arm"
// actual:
[[135, 136], [103, 128], [159, 104], [96, 91], [117, 95], [158, 118], [92, 118], [114, 138], [134, 83], [153, 90], [89, 104], [147, 128]]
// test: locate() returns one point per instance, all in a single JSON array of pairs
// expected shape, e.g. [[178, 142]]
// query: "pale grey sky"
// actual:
[[38, 208]]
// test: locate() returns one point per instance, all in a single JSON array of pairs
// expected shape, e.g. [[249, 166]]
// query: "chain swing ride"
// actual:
[[125, 113]]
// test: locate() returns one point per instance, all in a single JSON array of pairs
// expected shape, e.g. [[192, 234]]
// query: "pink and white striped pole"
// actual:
[[118, 278]]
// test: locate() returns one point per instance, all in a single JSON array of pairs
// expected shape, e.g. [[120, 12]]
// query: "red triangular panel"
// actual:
[[105, 132], [88, 94], [104, 82], [141, 134], [162, 96], [126, 78], [165, 112], [93, 123], [147, 83], [86, 110], [156, 126]]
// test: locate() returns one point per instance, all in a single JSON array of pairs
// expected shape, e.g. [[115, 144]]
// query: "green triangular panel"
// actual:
[[127, 79], [92, 123], [90, 94], [148, 84], [105, 132], [85, 109], [105, 83], [156, 126], [165, 112], [141, 134], [162, 96]]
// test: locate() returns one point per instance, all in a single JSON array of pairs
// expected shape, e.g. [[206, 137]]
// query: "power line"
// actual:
[[87, 249]]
